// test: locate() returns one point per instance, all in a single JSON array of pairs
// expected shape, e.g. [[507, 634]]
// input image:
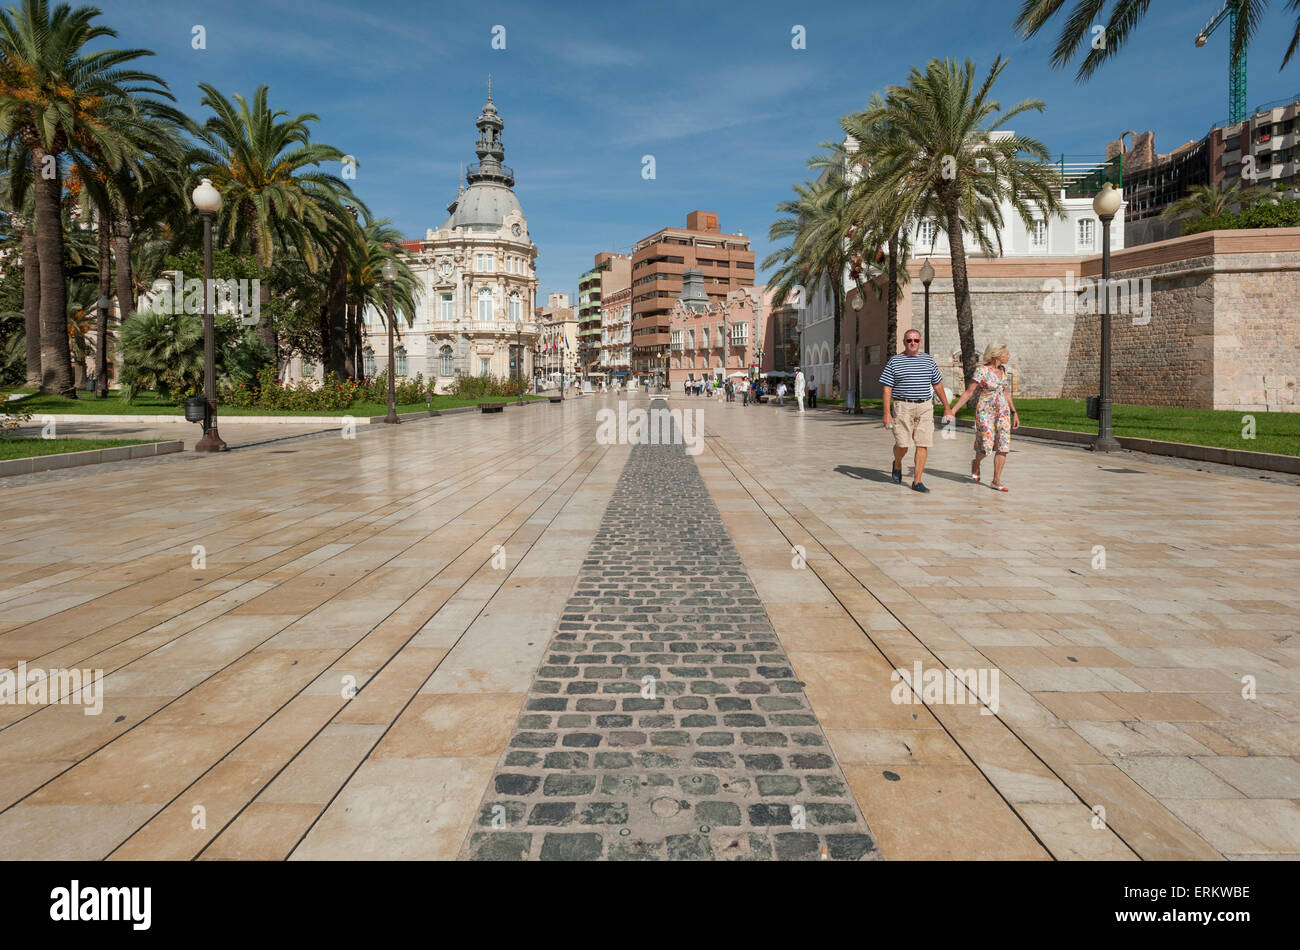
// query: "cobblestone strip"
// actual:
[[665, 721]]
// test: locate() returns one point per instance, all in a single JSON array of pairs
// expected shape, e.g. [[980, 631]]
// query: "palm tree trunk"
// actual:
[[337, 359], [122, 266], [101, 307], [891, 319], [56, 359], [961, 289], [265, 326], [32, 303]]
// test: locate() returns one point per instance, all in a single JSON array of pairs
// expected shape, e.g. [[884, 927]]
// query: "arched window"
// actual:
[[445, 355], [485, 305], [516, 307], [399, 358], [368, 357]]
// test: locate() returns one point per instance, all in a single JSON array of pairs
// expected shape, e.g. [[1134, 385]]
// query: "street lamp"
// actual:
[[1107, 203], [207, 200], [857, 379], [927, 275], [519, 360], [390, 275]]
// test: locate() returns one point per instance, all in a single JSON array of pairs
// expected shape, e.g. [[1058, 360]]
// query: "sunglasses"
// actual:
[[911, 341]]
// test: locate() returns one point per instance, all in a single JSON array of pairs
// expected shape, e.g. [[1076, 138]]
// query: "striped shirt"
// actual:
[[911, 377]]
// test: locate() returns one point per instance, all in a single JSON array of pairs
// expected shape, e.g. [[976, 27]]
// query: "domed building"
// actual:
[[477, 279]]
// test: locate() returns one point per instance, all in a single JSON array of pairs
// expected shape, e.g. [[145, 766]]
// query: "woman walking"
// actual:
[[995, 412]]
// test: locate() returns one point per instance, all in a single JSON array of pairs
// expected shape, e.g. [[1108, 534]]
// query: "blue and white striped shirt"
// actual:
[[911, 377]]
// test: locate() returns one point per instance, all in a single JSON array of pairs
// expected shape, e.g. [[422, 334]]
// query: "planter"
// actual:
[[196, 409]]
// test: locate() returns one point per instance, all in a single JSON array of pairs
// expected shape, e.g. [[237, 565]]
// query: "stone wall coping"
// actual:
[[1205, 245]]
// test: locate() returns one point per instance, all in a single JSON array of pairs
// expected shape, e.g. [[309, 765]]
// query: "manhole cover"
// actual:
[[665, 807]]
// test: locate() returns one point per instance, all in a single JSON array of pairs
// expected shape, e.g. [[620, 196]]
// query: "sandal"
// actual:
[[974, 476], [997, 487]]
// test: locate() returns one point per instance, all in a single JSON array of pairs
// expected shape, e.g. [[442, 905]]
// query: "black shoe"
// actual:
[[918, 486], [898, 476]]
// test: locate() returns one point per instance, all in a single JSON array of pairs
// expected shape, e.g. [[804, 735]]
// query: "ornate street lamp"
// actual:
[[927, 275], [1107, 203], [207, 201], [390, 275]]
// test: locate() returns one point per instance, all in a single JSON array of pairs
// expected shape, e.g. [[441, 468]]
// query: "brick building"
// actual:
[[725, 261]]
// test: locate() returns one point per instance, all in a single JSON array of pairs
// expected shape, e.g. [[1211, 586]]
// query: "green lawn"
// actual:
[[25, 448], [150, 404], [1275, 432]]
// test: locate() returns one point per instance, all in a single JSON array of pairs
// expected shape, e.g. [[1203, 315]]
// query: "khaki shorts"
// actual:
[[913, 423]]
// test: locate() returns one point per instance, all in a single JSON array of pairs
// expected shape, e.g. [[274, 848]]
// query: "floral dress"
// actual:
[[992, 411]]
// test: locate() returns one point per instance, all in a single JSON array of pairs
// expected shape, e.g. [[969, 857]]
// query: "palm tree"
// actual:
[[1210, 201], [265, 166], [54, 95], [814, 223], [379, 243], [20, 208], [1125, 15], [941, 153]]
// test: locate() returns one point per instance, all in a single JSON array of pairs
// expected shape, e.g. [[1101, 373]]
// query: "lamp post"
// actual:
[[927, 275], [207, 200], [1107, 203], [857, 379], [390, 275], [519, 360]]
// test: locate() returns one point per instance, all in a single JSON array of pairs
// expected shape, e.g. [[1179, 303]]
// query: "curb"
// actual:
[[121, 453], [334, 421]]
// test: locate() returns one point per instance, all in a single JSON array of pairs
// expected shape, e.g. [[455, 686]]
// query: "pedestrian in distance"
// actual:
[[995, 412], [908, 379], [812, 391], [800, 387]]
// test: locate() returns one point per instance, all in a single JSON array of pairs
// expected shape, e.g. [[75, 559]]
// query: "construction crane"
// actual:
[[1236, 64]]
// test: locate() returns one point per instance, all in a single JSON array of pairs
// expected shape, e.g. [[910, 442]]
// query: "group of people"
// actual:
[[908, 379]]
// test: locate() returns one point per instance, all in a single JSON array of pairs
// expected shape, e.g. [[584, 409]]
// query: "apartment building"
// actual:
[[611, 273], [616, 333], [658, 262], [557, 336]]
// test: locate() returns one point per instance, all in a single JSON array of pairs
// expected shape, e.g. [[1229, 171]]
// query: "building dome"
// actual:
[[483, 207]]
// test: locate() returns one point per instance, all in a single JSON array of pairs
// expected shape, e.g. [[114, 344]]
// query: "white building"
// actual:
[[477, 282], [1078, 234]]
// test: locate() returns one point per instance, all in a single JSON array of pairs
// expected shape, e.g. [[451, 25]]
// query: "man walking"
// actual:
[[908, 380], [800, 387], [812, 391]]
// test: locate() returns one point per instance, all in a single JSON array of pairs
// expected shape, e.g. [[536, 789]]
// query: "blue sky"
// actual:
[[714, 91]]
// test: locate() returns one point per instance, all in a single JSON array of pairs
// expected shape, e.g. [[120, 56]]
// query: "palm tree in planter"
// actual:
[[1210, 201], [942, 152], [268, 172], [54, 94]]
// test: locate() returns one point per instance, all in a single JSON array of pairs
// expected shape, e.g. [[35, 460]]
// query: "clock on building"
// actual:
[[516, 230]]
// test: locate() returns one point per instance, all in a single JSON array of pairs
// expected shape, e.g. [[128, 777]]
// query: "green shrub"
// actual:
[[480, 387], [1281, 214]]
